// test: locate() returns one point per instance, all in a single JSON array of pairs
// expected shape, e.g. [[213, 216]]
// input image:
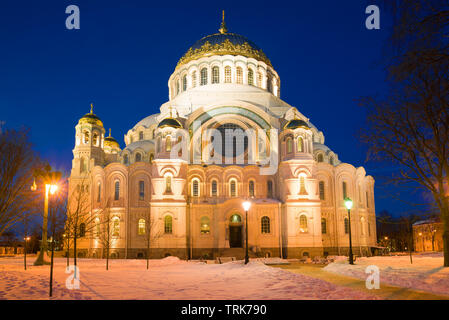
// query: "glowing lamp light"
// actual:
[[53, 188], [246, 205], [348, 203], [386, 238]]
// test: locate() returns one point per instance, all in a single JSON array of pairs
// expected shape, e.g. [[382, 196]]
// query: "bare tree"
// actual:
[[151, 232], [108, 230], [411, 125], [79, 220], [17, 165]]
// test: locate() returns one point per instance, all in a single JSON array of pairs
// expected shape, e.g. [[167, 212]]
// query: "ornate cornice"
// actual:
[[224, 48]]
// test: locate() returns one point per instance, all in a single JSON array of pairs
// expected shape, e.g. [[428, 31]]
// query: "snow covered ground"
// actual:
[[425, 274], [168, 278]]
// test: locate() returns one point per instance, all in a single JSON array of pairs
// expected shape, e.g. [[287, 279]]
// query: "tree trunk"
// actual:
[[148, 253], [445, 219], [68, 251], [74, 249]]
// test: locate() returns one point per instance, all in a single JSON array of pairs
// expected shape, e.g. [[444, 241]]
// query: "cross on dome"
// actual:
[[223, 28]]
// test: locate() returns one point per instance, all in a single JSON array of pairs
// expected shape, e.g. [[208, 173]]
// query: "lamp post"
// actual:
[[246, 206], [49, 179], [348, 204], [25, 252]]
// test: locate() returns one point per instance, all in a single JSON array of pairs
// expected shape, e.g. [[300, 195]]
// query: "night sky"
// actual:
[[125, 51]]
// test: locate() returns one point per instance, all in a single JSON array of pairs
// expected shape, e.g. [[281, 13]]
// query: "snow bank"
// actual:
[[169, 278], [425, 274]]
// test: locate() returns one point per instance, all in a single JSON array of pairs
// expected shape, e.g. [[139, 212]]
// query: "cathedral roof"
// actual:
[[223, 43], [91, 118], [169, 122], [296, 123], [111, 142]]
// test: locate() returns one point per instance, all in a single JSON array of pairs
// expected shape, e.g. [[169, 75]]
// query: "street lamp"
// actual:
[[348, 204], [49, 179], [246, 206], [25, 252]]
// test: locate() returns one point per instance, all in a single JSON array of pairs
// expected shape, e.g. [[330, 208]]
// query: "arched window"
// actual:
[[331, 160], [214, 188], [95, 139], [320, 158], [300, 145], [239, 75], [369, 229], [168, 183], [141, 190], [251, 188], [269, 84], [117, 190], [151, 158], [250, 77], [323, 226], [289, 145], [235, 218], [141, 227], [168, 224], [346, 225], [367, 200], [195, 188], [362, 226], [345, 190], [86, 137], [180, 146], [259, 79], [321, 186], [168, 144], [184, 83], [215, 75], [193, 79], [233, 188], [302, 185], [227, 74], [205, 225], [303, 224], [125, 159], [265, 224], [269, 189], [203, 76], [138, 157], [115, 227], [98, 192], [82, 229]]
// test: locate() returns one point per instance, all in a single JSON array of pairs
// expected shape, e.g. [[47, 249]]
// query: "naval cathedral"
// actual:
[[223, 137]]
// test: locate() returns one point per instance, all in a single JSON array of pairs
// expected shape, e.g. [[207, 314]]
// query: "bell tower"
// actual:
[[89, 144]]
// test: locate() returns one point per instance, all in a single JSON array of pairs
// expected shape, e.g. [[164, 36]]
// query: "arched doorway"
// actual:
[[235, 231]]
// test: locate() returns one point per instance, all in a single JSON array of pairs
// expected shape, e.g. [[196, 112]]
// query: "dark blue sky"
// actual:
[[125, 51]]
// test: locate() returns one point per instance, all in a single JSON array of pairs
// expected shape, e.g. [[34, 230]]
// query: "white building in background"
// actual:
[[192, 207]]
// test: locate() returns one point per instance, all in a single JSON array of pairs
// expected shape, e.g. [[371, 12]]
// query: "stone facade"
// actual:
[[173, 186]]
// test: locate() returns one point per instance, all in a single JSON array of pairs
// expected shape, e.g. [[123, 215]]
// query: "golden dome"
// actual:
[[110, 141], [223, 43], [91, 118]]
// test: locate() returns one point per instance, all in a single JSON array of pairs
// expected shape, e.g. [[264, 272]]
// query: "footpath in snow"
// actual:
[[168, 278], [426, 273]]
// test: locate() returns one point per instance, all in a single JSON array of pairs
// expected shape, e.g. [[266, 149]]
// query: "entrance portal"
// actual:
[[235, 237]]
